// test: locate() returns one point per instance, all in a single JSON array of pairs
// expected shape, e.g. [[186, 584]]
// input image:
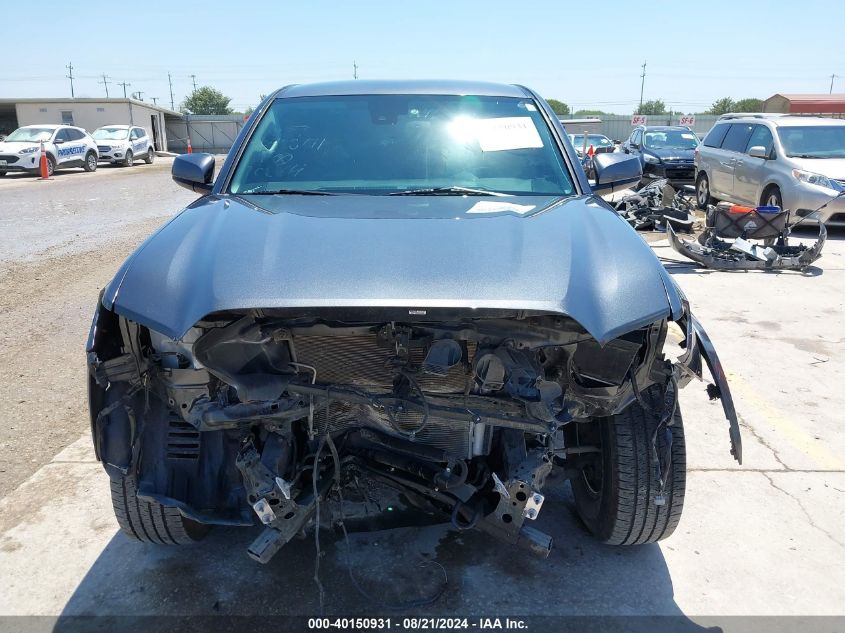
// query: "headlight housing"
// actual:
[[813, 179], [651, 159], [29, 150]]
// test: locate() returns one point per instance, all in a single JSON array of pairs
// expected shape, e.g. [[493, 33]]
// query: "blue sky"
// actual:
[[587, 54]]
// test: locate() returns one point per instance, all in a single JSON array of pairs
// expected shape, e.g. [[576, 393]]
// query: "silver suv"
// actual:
[[782, 160]]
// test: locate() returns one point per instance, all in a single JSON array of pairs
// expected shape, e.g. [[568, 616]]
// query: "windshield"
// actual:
[[671, 139], [30, 135], [381, 144], [596, 140], [110, 134], [816, 141]]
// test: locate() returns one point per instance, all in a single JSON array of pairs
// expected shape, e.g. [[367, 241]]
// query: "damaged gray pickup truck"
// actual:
[[402, 288]]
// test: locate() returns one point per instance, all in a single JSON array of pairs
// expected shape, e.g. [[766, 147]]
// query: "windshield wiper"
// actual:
[[289, 192], [447, 191]]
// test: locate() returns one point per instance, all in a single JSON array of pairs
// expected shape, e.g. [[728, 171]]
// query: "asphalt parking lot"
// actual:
[[765, 538]]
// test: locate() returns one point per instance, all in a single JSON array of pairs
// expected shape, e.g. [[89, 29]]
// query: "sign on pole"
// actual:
[[687, 119], [639, 119]]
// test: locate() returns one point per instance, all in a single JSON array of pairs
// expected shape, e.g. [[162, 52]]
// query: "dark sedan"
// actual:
[[664, 152]]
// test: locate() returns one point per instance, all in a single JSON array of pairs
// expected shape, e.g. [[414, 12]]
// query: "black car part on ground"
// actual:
[[657, 205], [725, 243]]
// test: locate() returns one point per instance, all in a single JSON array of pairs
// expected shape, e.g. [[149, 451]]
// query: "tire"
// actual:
[[150, 156], [771, 197], [51, 166], [618, 506], [2, 173], [90, 163], [151, 522], [702, 192], [128, 159]]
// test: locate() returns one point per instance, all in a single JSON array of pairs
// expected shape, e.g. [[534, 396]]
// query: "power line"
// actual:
[[105, 82], [170, 82], [70, 76], [124, 84]]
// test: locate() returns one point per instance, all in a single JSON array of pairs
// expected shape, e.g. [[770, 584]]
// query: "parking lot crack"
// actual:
[[803, 509], [763, 441]]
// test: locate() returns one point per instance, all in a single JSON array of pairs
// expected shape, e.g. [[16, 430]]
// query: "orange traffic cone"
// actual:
[[190, 149], [591, 152], [45, 171]]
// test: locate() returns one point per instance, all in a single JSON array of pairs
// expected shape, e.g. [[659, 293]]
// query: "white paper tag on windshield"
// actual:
[[493, 206], [514, 132]]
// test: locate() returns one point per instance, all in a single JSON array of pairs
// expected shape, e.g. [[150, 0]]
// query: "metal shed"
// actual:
[[828, 104]]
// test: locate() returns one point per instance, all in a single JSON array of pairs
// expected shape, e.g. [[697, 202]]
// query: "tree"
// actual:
[[559, 107], [655, 106], [723, 106], [748, 105], [249, 110], [583, 113], [206, 100]]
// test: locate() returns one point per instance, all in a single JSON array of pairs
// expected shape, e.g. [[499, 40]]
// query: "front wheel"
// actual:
[[128, 159], [149, 521], [90, 162], [702, 192], [149, 157], [615, 491]]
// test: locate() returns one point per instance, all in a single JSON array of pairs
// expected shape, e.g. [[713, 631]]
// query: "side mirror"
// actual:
[[758, 151], [58, 141], [194, 171], [615, 171]]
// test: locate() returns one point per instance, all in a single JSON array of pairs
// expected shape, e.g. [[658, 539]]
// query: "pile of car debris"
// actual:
[[748, 238], [657, 206]]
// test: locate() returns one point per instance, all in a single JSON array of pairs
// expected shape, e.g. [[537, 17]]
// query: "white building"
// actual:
[[89, 114]]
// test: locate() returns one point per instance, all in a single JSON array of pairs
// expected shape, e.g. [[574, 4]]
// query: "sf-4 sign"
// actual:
[[639, 119]]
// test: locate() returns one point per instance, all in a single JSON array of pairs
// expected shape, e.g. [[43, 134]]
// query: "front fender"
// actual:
[[698, 345]]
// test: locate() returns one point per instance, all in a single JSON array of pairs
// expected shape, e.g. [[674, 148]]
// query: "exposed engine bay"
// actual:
[[263, 416]]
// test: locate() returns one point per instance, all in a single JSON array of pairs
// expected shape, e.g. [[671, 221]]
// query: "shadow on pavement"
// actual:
[[485, 578]]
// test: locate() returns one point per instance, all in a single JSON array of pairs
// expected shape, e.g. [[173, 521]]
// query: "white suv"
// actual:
[[787, 161], [65, 146], [124, 144]]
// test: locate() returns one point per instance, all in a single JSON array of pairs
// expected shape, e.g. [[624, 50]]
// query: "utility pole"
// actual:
[[354, 69], [138, 97], [642, 87], [70, 76], [155, 100], [106, 83], [124, 84], [194, 79], [832, 77], [170, 81]]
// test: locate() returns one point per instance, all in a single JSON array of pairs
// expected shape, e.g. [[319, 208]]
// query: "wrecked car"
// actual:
[[395, 286]]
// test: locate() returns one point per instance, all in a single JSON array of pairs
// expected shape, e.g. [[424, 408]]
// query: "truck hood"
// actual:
[[570, 256]]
